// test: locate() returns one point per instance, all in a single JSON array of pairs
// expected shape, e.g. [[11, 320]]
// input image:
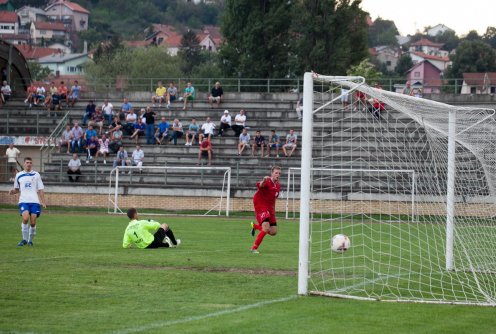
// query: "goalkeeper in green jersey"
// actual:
[[147, 233]]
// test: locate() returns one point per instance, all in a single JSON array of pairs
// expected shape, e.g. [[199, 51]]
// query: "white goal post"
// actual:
[[195, 189], [364, 150]]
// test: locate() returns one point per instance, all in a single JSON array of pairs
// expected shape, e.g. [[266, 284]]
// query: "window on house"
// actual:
[[416, 74], [473, 90], [493, 89]]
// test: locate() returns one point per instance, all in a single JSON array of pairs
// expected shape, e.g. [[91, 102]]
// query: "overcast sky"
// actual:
[[410, 16]]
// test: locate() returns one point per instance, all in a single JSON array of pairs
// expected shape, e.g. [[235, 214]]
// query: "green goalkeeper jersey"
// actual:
[[139, 233]]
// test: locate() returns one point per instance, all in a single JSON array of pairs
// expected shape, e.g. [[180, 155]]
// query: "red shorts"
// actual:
[[266, 215]]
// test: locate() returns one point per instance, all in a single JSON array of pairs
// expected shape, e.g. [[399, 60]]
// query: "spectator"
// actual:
[[48, 101], [299, 108], [408, 89], [121, 158], [103, 148], [205, 150], [12, 153], [74, 168], [125, 108], [177, 131], [108, 111], [239, 123], [150, 126], [31, 94], [361, 100], [90, 132], [274, 142], [40, 96], [244, 141], [77, 138], [5, 91], [88, 113], [65, 139], [52, 89], [192, 132], [162, 131], [171, 94], [160, 94], [97, 120], [215, 94], [291, 142], [91, 147], [189, 95], [139, 129], [115, 125], [137, 158], [116, 140], [207, 129], [55, 102], [344, 98], [225, 122], [417, 92], [258, 142], [63, 93], [75, 93], [131, 118]]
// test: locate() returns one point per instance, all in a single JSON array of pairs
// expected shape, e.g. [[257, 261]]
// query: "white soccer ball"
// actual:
[[340, 243]]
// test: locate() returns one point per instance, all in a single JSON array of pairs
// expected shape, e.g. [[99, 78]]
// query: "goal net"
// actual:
[[410, 181], [170, 189]]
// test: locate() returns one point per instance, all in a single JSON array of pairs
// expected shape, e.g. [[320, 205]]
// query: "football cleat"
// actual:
[[254, 251], [22, 243], [30, 243]]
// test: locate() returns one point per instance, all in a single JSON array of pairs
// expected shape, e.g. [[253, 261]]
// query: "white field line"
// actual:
[[202, 317]]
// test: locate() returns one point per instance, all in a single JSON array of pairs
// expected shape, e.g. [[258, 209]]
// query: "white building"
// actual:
[[9, 23], [29, 14], [64, 64], [438, 29], [74, 17]]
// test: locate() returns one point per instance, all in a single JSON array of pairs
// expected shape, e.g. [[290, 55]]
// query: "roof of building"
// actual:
[[34, 52], [430, 57], [479, 79], [10, 37], [37, 11], [59, 26], [61, 57], [71, 5], [10, 17], [426, 42]]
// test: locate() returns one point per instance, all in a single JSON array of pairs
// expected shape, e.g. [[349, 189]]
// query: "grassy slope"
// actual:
[[78, 279]]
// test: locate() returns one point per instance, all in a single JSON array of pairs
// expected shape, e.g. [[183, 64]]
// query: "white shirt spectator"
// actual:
[[108, 109], [104, 145], [208, 128], [138, 155], [240, 120], [6, 91], [245, 139], [12, 154], [131, 118], [74, 164], [226, 118]]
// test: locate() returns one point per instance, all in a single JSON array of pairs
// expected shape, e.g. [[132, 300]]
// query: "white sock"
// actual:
[[32, 232], [25, 231]]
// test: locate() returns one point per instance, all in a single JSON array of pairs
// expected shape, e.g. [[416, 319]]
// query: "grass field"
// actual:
[[78, 279]]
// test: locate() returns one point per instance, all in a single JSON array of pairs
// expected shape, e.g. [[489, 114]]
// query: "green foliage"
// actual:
[[328, 36], [367, 70], [473, 36], [490, 36], [403, 65], [190, 53], [472, 56], [449, 40], [38, 72], [382, 32]]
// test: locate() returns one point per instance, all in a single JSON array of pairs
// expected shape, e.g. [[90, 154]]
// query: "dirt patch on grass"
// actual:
[[244, 271]]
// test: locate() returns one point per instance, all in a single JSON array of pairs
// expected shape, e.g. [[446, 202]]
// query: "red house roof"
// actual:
[[431, 57], [479, 79], [174, 41], [49, 26], [34, 52], [8, 17], [71, 5], [426, 42]]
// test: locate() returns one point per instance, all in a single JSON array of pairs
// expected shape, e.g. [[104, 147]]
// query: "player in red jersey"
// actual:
[[264, 203]]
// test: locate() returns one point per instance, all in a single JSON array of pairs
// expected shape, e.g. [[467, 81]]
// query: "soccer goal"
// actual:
[[410, 181], [161, 189]]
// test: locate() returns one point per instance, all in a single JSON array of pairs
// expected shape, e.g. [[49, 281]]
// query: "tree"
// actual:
[[190, 53], [472, 56], [404, 64], [107, 49], [365, 69], [329, 36], [37, 71], [256, 37], [473, 36], [382, 32], [449, 40], [490, 36]]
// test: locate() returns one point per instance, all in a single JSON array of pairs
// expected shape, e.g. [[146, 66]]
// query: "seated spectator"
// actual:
[[115, 125], [160, 94], [74, 168], [65, 139], [274, 142], [64, 96], [121, 158], [75, 93], [189, 95], [139, 129], [125, 108], [207, 130], [90, 132], [48, 101], [116, 140], [299, 107], [52, 89], [192, 132], [225, 122], [360, 100], [40, 96], [376, 108], [244, 141], [31, 94], [108, 111], [291, 142], [91, 147], [205, 150], [131, 118], [239, 123], [162, 131], [103, 148], [215, 95], [137, 158], [177, 131], [88, 113], [97, 120], [55, 102], [77, 138], [5, 91], [258, 142], [171, 94], [344, 98]]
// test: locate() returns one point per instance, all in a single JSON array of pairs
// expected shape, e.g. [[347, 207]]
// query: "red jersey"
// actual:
[[206, 144], [265, 198]]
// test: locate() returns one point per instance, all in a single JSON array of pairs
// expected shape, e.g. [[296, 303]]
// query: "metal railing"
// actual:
[[51, 143]]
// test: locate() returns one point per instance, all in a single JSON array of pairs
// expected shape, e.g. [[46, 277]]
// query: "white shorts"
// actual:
[[103, 151], [289, 145]]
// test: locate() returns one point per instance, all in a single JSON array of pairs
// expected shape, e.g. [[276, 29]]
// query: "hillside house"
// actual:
[[438, 29], [425, 75], [72, 15], [48, 31], [441, 63], [9, 23], [29, 14], [479, 83], [65, 64], [386, 55]]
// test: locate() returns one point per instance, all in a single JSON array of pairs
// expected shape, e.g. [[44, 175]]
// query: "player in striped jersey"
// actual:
[[30, 186]]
